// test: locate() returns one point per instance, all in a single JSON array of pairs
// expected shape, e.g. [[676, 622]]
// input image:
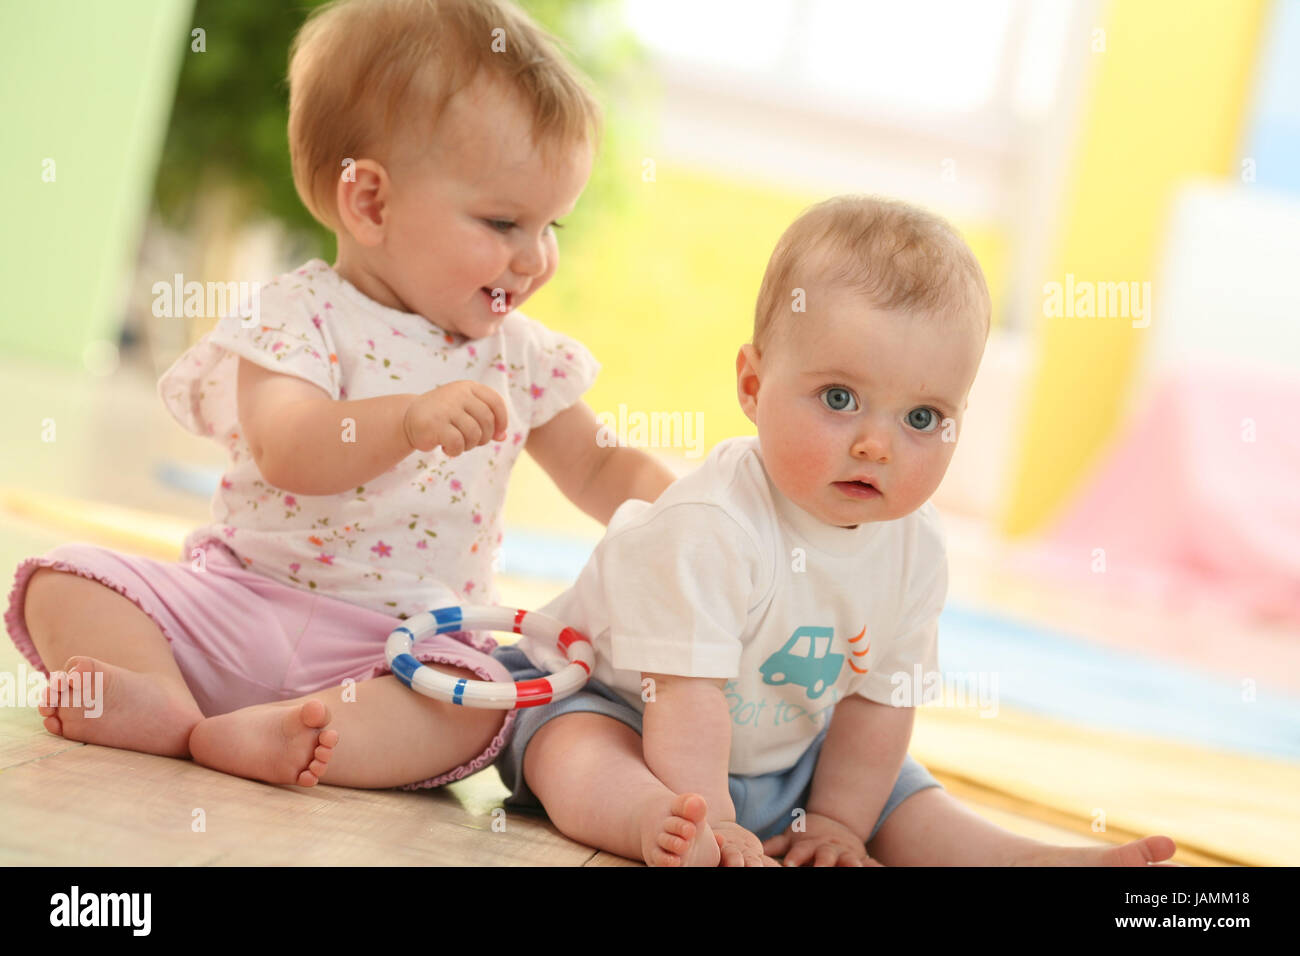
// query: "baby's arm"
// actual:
[[596, 478], [856, 771], [305, 442], [686, 742]]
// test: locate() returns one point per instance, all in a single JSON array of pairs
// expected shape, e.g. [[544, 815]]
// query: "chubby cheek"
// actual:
[[552, 263], [796, 448], [925, 470]]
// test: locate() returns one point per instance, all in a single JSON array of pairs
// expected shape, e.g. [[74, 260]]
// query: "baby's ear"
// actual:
[[747, 381], [362, 197]]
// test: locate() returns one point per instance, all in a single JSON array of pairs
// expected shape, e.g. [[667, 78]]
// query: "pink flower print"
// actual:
[[302, 272], [290, 500], [225, 483], [536, 391], [500, 366], [277, 346], [518, 438], [229, 532], [383, 550], [343, 392], [370, 342], [294, 567], [471, 351], [328, 306], [469, 586], [477, 518], [396, 332], [324, 558], [455, 484], [315, 320], [569, 356], [422, 544], [558, 373]]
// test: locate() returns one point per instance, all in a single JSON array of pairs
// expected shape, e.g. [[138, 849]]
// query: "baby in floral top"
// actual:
[[372, 413]]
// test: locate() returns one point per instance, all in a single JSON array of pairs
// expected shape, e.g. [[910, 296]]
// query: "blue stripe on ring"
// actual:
[[458, 691], [410, 635], [448, 619], [404, 668]]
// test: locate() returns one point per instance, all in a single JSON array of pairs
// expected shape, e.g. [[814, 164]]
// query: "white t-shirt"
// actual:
[[426, 532], [725, 577]]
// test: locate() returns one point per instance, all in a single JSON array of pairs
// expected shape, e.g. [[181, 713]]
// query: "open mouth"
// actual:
[[499, 300], [858, 489]]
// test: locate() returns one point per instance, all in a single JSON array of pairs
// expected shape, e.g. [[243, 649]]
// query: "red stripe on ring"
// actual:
[[567, 637], [519, 617], [530, 693], [583, 665]]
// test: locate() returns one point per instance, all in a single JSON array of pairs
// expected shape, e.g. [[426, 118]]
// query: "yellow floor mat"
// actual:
[[1223, 807]]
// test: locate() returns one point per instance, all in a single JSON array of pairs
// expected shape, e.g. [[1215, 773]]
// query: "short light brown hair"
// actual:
[[896, 256], [362, 70]]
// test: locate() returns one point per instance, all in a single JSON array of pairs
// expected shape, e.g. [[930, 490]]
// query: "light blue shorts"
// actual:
[[765, 803]]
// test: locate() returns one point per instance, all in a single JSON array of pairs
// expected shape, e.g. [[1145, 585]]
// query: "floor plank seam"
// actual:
[[73, 745]]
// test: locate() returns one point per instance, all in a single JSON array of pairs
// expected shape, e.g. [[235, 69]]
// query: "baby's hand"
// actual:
[[823, 842], [739, 847], [458, 416]]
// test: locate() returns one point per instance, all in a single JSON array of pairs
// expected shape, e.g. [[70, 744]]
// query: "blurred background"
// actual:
[[1124, 504]]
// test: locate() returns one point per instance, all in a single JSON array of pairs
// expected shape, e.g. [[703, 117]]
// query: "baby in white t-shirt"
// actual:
[[752, 624]]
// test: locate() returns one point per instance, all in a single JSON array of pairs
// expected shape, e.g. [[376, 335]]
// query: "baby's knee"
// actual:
[[48, 590]]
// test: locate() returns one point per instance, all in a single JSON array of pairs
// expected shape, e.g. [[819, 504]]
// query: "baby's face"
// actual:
[[858, 410], [471, 236]]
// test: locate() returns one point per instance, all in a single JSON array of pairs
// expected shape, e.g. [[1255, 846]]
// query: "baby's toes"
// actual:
[[315, 713], [678, 826], [672, 844], [47, 703]]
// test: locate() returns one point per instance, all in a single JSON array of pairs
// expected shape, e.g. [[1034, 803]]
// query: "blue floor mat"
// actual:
[[1057, 674]]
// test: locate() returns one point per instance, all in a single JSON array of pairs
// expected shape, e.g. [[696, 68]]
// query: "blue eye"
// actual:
[[838, 399], [923, 419]]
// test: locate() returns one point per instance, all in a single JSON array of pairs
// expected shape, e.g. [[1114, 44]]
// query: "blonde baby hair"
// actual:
[[361, 71], [898, 257]]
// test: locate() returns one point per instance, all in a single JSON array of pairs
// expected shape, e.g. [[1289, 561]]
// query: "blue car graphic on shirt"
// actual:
[[806, 660]]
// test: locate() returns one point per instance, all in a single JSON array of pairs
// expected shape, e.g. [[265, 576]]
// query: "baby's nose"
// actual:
[[873, 445]]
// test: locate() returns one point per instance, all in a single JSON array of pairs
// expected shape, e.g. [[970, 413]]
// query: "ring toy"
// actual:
[[486, 694]]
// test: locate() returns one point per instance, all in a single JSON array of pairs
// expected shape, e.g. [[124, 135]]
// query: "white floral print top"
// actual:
[[426, 532]]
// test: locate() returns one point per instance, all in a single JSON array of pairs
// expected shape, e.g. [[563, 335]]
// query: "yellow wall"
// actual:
[[1169, 96]]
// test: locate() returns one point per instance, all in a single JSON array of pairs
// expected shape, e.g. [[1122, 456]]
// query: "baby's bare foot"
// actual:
[[99, 703], [677, 835], [1146, 851], [277, 743]]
